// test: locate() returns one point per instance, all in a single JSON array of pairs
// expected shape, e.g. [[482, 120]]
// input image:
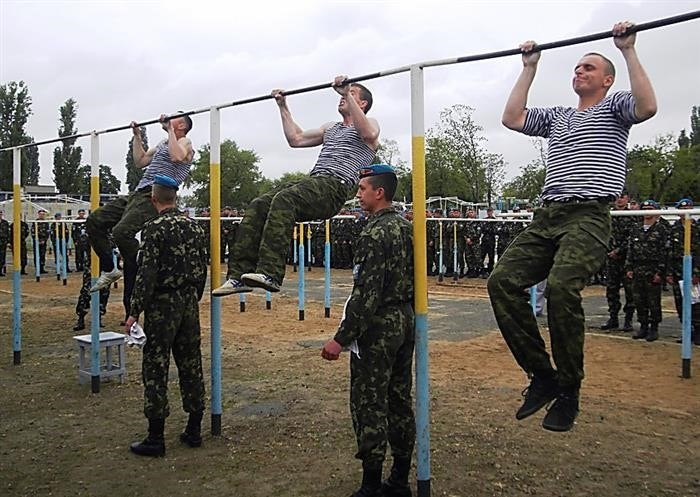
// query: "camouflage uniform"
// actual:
[[82, 244], [261, 242], [505, 236], [379, 315], [675, 267], [172, 272], [621, 228], [78, 233], [318, 244], [488, 244], [449, 237], [646, 257], [5, 238], [582, 231], [24, 233], [432, 240], [43, 232], [62, 228], [471, 234]]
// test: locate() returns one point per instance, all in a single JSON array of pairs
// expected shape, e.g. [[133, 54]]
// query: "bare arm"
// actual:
[[640, 86], [515, 112], [297, 137], [179, 149], [142, 158], [367, 127]]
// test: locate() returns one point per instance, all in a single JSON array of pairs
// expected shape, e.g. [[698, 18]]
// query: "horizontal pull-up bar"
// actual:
[[442, 62]]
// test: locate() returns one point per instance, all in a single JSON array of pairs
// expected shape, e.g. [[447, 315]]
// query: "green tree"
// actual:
[[15, 109], [240, 175], [529, 183], [388, 153], [650, 168], [67, 157], [133, 173], [109, 183]]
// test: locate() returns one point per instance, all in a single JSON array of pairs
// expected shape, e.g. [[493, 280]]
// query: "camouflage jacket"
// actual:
[[646, 251], [620, 230], [43, 229], [5, 234], [676, 248], [382, 273], [171, 259], [471, 232]]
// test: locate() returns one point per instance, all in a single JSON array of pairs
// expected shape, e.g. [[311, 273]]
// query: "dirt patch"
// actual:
[[286, 426]]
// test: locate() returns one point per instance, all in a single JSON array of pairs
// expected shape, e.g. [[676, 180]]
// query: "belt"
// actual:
[[568, 201], [343, 181]]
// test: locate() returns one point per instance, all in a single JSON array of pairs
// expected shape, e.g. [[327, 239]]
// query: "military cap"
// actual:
[[649, 204], [165, 181], [684, 203], [376, 170], [228, 208]]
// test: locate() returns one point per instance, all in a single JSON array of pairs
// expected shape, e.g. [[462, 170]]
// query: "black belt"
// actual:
[[600, 200], [343, 181]]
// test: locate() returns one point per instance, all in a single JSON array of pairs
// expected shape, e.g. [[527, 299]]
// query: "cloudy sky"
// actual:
[[133, 60]]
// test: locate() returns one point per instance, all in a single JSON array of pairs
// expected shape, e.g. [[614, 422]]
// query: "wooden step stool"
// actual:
[[108, 355]]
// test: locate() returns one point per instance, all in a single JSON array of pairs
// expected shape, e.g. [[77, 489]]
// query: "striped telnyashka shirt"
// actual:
[[343, 154], [587, 150], [161, 164]]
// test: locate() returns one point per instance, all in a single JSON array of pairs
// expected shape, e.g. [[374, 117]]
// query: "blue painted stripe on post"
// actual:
[[37, 262], [533, 298], [686, 349], [16, 311], [268, 296], [95, 332], [327, 272], [64, 251], [216, 405], [302, 285], [422, 399]]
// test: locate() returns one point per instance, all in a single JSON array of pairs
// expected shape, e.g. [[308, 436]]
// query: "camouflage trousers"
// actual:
[[616, 278], [472, 255], [647, 297], [83, 305], [380, 387], [263, 236], [565, 244], [171, 323], [3, 253], [123, 217]]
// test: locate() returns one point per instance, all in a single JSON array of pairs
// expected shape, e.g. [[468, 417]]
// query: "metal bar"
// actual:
[[17, 240]]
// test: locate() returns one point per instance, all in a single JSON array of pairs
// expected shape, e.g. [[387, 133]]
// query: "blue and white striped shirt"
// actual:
[[343, 154], [587, 151], [161, 164]]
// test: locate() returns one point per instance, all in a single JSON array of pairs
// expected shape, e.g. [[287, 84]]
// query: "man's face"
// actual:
[[489, 212], [454, 213], [354, 93], [471, 214], [41, 215], [634, 205], [367, 195], [176, 123], [226, 213], [409, 215], [234, 213], [622, 201], [81, 214], [590, 75]]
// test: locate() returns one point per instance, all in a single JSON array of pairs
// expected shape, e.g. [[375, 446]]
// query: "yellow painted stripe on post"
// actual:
[[215, 222], [328, 230], [419, 236], [16, 227], [94, 205], [686, 235]]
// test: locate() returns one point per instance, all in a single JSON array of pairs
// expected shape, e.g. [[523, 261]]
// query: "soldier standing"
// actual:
[[471, 234], [432, 240], [488, 241], [379, 320], [621, 226], [226, 228], [64, 233], [5, 238], [646, 268], [40, 235], [77, 231], [82, 243], [172, 273], [674, 272], [24, 233]]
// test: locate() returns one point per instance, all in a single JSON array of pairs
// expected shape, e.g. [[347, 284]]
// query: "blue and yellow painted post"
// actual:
[[16, 256], [327, 271], [302, 287], [686, 349], [294, 248], [215, 273], [421, 283], [37, 256], [455, 269], [440, 273], [95, 267]]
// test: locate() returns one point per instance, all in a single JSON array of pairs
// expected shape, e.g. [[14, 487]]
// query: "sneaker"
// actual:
[[229, 287], [106, 279], [538, 394], [259, 280], [562, 413]]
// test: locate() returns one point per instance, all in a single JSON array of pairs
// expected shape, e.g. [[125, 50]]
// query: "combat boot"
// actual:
[[642, 333], [611, 324], [627, 326], [397, 483], [653, 334], [542, 390], [80, 323], [371, 481], [154, 444], [192, 435]]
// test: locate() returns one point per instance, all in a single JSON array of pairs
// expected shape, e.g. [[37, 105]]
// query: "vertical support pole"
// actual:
[[294, 248], [95, 267], [533, 298], [301, 272], [115, 261], [440, 262], [327, 271], [58, 255], [455, 269], [308, 245], [686, 348], [215, 273], [64, 254], [37, 258], [421, 282], [268, 300], [241, 302], [16, 257]]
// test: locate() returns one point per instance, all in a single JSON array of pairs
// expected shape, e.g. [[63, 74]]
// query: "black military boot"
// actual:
[[562, 413], [192, 435], [397, 483], [611, 324], [627, 326], [371, 481], [642, 333], [653, 334], [154, 444], [542, 390], [80, 323]]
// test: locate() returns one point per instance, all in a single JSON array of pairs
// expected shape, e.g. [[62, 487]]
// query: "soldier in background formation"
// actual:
[[674, 270], [63, 233], [81, 252], [450, 229], [82, 244], [645, 266], [621, 228], [471, 234], [5, 238], [24, 234], [40, 235], [488, 242]]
